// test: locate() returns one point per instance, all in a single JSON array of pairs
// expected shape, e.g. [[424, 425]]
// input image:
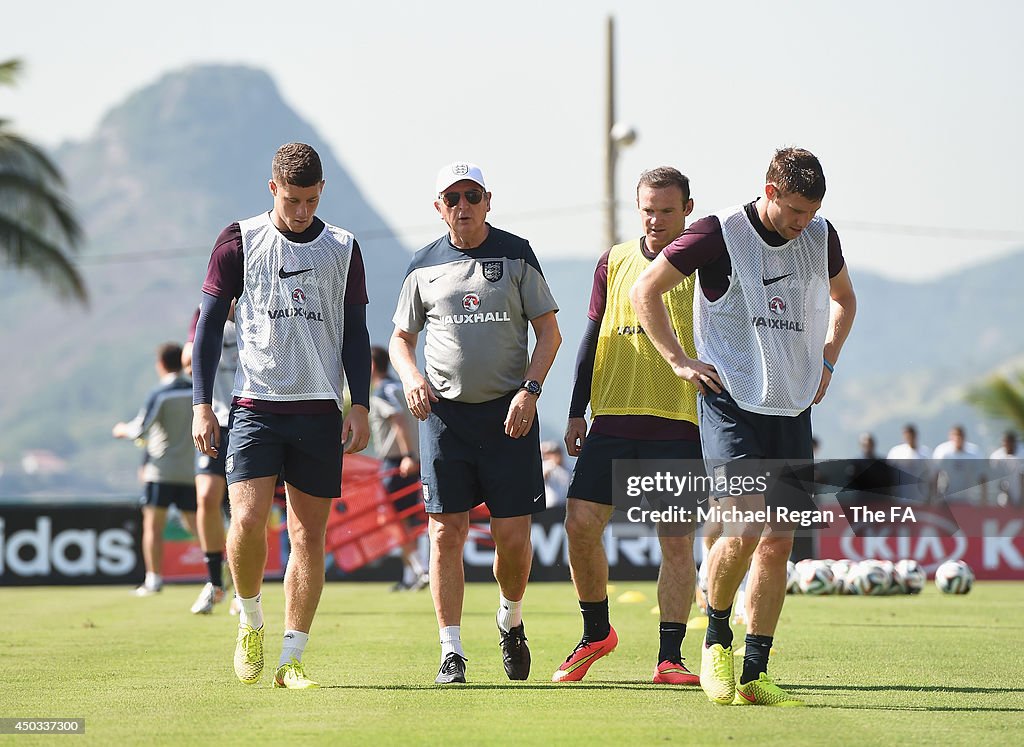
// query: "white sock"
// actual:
[[510, 614], [416, 565], [294, 644], [451, 640], [705, 566], [252, 611], [153, 580]]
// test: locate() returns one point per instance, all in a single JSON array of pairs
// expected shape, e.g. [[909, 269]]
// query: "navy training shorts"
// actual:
[[592, 475], [466, 459], [166, 494], [740, 445], [305, 450]]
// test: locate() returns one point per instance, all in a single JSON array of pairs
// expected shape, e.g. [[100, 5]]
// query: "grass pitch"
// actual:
[[930, 669]]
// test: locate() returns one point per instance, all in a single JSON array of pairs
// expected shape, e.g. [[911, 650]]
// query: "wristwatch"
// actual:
[[531, 386]]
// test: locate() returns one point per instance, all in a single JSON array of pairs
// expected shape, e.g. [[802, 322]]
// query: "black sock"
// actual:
[[595, 620], [215, 567], [755, 657], [718, 627], [671, 635]]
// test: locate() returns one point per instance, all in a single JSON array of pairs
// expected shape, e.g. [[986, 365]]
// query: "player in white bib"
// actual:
[[300, 310], [774, 308]]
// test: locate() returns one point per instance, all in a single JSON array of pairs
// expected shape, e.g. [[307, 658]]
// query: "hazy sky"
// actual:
[[914, 107]]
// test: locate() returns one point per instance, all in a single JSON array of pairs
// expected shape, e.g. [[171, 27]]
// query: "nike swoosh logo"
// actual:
[[282, 273], [538, 497], [749, 698], [581, 662], [431, 280], [770, 281]]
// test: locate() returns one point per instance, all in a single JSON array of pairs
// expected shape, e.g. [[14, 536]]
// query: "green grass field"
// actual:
[[929, 670]]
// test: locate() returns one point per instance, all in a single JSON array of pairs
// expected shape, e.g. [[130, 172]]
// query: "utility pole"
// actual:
[[616, 136], [611, 150]]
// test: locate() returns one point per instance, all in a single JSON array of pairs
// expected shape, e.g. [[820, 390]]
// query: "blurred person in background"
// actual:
[[914, 462], [867, 446], [960, 469], [211, 480], [168, 472], [1008, 462], [556, 476], [393, 431]]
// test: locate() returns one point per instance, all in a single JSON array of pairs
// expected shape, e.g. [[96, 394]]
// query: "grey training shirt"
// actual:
[[475, 306]]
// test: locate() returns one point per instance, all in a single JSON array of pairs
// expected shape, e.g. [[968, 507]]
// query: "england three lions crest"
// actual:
[[494, 270]]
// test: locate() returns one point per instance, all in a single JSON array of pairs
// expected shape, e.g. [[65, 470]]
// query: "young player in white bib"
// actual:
[[774, 307]]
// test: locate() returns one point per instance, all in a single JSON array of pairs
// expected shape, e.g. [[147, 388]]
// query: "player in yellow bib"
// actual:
[[640, 410]]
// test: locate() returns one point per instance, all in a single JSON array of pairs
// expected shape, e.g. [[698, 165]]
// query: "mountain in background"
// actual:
[[180, 159]]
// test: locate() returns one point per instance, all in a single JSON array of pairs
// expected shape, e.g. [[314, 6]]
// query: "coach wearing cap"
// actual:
[[475, 291]]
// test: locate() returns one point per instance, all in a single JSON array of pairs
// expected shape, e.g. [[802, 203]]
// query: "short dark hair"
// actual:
[[909, 428], [380, 359], [169, 355], [664, 176], [797, 170], [297, 164]]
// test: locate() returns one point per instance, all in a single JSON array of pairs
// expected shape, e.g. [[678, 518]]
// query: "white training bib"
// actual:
[[766, 334], [291, 314]]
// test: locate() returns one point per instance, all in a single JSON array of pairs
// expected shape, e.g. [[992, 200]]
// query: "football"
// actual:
[[909, 576], [891, 586], [841, 571], [815, 578], [868, 578], [954, 577]]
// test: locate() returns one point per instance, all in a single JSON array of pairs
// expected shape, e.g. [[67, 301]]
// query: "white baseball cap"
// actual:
[[456, 172]]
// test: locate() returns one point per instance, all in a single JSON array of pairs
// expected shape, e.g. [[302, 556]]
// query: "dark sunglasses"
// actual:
[[473, 197]]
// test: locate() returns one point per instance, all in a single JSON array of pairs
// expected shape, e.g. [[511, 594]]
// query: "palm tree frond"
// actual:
[[9, 70], [18, 154], [1001, 397], [26, 249], [38, 230], [38, 227], [16, 188]]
